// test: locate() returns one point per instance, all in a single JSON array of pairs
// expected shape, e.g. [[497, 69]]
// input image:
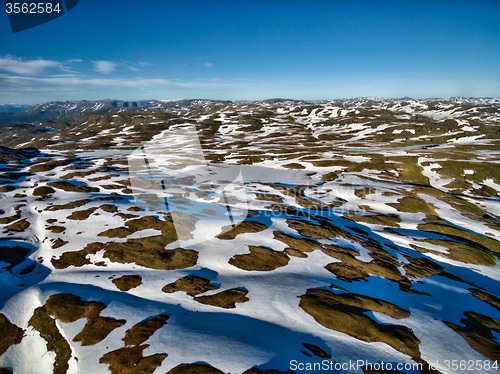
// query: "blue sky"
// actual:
[[234, 50]]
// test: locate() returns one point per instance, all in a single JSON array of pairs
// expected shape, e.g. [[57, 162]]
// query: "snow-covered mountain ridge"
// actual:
[[45, 110]]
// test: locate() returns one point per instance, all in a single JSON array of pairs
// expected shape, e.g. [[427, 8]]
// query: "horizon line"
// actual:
[[272, 98]]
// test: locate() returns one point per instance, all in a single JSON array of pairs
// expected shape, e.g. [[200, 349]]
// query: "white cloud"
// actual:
[[35, 67], [138, 66], [104, 67], [38, 80], [27, 67], [208, 64], [10, 83]]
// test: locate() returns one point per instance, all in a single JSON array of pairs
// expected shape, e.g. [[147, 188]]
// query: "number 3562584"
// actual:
[[31, 8]]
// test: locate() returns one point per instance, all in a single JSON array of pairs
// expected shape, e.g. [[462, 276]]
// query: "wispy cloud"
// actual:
[[66, 67], [35, 67], [135, 66], [208, 64], [104, 67], [27, 67], [42, 67], [138, 66], [40, 79], [10, 83]]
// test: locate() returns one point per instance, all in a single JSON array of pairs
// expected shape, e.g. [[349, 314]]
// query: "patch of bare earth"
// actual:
[[191, 284], [147, 251], [346, 313], [230, 232], [141, 331], [10, 334], [225, 299], [477, 331], [69, 308], [260, 258], [130, 360], [127, 282]]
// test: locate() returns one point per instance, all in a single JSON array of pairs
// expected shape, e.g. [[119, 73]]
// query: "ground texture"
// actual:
[[239, 237]]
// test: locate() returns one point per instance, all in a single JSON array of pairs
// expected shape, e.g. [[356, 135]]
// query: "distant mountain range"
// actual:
[[21, 113], [385, 102], [13, 108], [43, 111]]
